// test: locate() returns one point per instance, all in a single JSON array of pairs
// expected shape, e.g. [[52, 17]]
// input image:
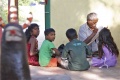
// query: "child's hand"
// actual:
[[54, 55], [56, 51], [88, 56]]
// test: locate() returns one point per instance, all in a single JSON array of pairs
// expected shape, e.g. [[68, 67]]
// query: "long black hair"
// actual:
[[29, 30], [106, 39]]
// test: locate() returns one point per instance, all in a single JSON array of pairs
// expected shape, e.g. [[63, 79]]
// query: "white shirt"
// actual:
[[85, 32]]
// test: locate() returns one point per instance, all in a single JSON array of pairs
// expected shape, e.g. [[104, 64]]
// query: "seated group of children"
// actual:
[[74, 55]]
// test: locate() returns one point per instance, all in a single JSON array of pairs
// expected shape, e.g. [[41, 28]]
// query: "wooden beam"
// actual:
[[12, 3], [9, 10]]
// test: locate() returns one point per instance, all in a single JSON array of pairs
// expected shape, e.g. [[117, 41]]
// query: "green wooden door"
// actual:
[[47, 15]]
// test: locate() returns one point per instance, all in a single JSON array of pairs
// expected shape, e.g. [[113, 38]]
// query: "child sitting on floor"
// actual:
[[47, 48], [32, 44], [74, 53], [107, 50]]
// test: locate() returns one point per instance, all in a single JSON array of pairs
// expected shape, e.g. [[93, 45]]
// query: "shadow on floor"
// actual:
[[55, 73]]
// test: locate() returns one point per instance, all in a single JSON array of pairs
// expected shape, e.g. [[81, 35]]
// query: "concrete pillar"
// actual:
[[0, 34]]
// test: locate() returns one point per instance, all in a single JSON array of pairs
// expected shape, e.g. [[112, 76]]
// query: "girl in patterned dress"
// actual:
[[32, 44]]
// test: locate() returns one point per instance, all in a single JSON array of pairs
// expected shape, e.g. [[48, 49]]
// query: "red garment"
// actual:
[[32, 60]]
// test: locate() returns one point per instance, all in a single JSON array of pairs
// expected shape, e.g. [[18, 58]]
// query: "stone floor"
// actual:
[[55, 73]]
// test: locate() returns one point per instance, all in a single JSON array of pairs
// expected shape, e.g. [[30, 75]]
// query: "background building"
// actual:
[[66, 14]]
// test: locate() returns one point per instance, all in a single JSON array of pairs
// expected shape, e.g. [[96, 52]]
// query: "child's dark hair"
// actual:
[[71, 34], [49, 30], [106, 39], [29, 30]]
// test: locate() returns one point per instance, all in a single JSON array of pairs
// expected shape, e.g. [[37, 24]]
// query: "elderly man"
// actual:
[[88, 32]]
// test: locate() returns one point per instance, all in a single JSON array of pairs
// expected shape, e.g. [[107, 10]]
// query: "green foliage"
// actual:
[[26, 2], [3, 10]]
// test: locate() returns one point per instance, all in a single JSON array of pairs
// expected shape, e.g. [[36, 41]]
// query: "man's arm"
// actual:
[[96, 35], [89, 38]]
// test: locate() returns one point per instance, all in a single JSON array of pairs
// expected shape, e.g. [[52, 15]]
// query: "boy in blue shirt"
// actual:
[[74, 54]]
